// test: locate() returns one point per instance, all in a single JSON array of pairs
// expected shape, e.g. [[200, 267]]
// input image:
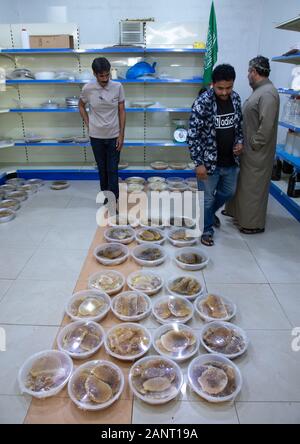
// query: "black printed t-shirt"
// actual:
[[224, 124]]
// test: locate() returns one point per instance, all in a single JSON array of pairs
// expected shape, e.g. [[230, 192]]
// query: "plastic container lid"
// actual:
[[192, 239], [139, 249], [129, 300], [80, 339], [170, 309], [176, 341], [220, 340], [53, 363], [111, 375], [180, 291], [125, 228], [106, 261], [111, 282], [150, 231], [191, 250], [170, 382], [125, 333], [97, 312], [150, 283], [233, 375], [205, 313]]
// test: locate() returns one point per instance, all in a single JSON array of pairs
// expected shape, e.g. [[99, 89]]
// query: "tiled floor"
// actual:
[[43, 250]]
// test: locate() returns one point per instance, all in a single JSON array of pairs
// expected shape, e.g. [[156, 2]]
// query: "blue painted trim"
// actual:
[[176, 50], [76, 110], [285, 201], [124, 81], [290, 126], [126, 144], [101, 50], [293, 160], [290, 92], [294, 58]]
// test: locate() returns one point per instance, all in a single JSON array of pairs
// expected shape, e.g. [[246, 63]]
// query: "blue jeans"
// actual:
[[107, 158], [218, 189]]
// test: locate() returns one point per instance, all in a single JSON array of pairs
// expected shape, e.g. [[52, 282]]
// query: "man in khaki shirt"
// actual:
[[105, 122]]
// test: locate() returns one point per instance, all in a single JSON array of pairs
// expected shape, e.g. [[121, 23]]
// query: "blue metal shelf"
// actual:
[[290, 126], [290, 92], [294, 58], [76, 110], [124, 81], [126, 144], [285, 201], [117, 50], [293, 160]]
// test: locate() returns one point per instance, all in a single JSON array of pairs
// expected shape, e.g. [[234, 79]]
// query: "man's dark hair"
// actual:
[[261, 65], [100, 65], [223, 72]]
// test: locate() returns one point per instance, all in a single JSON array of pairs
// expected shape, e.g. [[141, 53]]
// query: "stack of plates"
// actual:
[[72, 102]]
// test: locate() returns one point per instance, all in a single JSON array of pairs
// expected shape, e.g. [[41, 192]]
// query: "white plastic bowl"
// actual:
[[158, 399], [128, 240], [157, 186], [117, 261], [66, 366], [89, 405], [141, 241], [45, 75], [135, 179], [134, 318], [153, 179], [128, 357], [145, 273], [190, 297], [191, 267], [79, 354], [233, 327], [231, 309], [94, 278], [206, 359], [87, 294], [181, 243], [172, 318], [140, 248], [179, 355], [152, 222]]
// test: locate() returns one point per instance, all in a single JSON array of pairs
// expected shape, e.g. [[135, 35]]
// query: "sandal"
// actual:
[[217, 222], [207, 240], [224, 212], [252, 230]]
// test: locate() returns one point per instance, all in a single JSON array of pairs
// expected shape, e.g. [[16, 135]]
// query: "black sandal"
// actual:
[[217, 222], [224, 212], [252, 230], [207, 240]]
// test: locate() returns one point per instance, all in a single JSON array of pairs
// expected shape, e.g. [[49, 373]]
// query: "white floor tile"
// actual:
[[22, 342], [257, 307], [268, 412], [13, 409], [12, 261], [183, 412], [289, 298], [31, 302], [62, 265], [64, 238], [16, 235], [270, 368], [4, 286]]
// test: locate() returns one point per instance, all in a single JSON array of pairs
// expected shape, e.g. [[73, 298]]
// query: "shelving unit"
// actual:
[[148, 130], [279, 189]]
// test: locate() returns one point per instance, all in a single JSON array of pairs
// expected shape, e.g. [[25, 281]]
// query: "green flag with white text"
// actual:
[[211, 46]]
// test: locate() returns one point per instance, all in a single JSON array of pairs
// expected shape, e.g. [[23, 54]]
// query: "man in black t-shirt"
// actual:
[[215, 140]]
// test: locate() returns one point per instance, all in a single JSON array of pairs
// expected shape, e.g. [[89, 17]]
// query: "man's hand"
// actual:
[[201, 172], [120, 141], [237, 150]]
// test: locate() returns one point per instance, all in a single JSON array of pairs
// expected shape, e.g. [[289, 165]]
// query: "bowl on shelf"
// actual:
[[45, 75]]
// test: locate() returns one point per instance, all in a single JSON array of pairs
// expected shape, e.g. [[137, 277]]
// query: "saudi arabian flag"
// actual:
[[211, 46]]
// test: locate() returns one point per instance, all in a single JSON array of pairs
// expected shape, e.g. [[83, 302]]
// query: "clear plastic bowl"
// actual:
[[230, 306], [182, 222], [172, 318], [145, 273], [129, 357], [178, 354], [135, 179], [176, 180], [6, 215], [88, 404], [190, 297], [160, 397], [76, 353], [157, 186], [133, 187], [38, 182], [106, 261], [65, 372], [140, 248], [18, 195], [153, 179], [152, 222], [179, 187], [207, 359], [113, 221], [15, 181], [11, 204], [84, 294], [94, 278], [30, 189], [133, 318], [141, 241], [191, 267], [181, 243], [233, 327], [126, 241]]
